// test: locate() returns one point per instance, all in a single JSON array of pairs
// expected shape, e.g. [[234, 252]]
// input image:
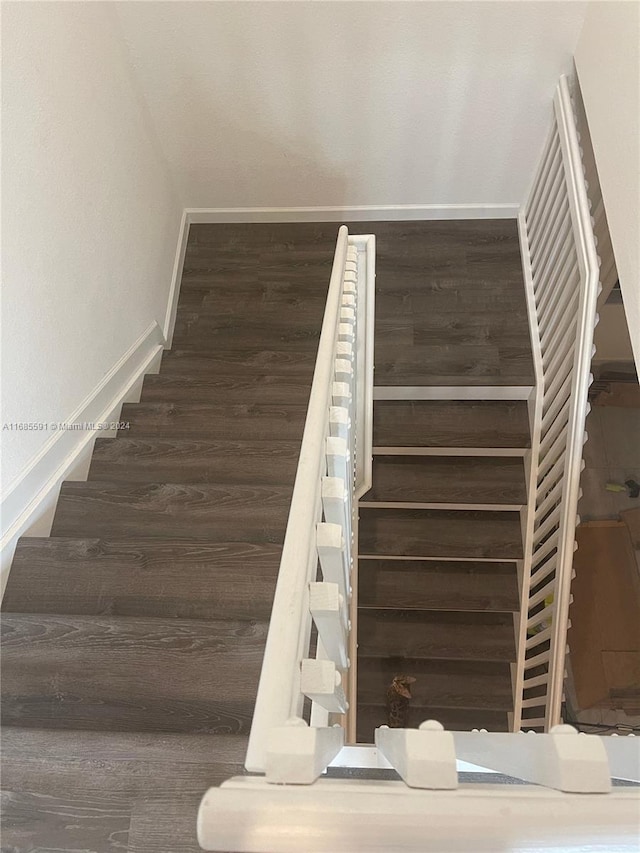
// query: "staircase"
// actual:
[[133, 636], [440, 532]]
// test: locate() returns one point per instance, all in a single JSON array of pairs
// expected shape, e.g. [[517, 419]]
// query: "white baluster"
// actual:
[[321, 682], [346, 332], [347, 315], [344, 349], [337, 455], [332, 552], [341, 395], [335, 499], [327, 607], [424, 757], [298, 754], [560, 759], [339, 422], [343, 370]]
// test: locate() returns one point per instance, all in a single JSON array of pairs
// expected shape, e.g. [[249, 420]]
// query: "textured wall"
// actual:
[[314, 103], [89, 216]]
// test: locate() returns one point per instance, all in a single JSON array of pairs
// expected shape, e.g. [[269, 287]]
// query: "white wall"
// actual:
[[608, 66], [315, 103], [89, 217]]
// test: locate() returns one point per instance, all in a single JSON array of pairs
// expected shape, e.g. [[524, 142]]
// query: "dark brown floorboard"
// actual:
[[103, 792], [433, 634], [438, 585], [195, 420], [143, 577], [226, 389], [448, 479], [130, 673], [218, 513], [440, 533], [437, 423], [245, 362], [192, 461], [441, 683]]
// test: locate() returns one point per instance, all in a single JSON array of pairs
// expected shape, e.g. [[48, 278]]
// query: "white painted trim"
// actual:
[[357, 213], [451, 392], [342, 815], [439, 559], [450, 451], [528, 517], [176, 280], [438, 506], [28, 503]]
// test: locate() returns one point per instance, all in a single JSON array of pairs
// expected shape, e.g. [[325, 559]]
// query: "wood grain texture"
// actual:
[[130, 673], [139, 460], [193, 420], [94, 791], [246, 362], [440, 533], [230, 389], [143, 577], [439, 683], [438, 423], [489, 480], [433, 585], [216, 513], [436, 635], [135, 634]]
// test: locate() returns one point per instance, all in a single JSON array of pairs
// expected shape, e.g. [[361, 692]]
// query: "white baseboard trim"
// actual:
[[27, 505], [357, 213], [176, 280]]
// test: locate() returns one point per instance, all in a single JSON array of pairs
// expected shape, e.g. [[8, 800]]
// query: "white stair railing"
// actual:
[[316, 570], [567, 800], [562, 279]]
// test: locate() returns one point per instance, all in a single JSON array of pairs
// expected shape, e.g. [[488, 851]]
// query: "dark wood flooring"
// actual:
[[437, 584], [133, 635]]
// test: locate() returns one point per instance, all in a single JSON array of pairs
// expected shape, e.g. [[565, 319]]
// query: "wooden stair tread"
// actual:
[[206, 337], [225, 388], [435, 635], [439, 683], [130, 673], [433, 585], [91, 790], [209, 420], [186, 361], [194, 461], [443, 423], [217, 513], [453, 719], [143, 577], [440, 533], [448, 479]]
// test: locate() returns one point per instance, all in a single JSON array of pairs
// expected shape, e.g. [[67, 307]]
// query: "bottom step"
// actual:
[[453, 719], [104, 791]]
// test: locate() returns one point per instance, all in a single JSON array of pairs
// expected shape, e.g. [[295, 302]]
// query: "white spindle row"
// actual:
[[562, 280], [315, 580]]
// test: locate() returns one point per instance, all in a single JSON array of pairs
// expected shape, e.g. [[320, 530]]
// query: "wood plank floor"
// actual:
[[133, 635]]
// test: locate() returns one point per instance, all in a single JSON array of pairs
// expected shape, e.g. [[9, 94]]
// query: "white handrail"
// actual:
[[284, 680], [562, 348]]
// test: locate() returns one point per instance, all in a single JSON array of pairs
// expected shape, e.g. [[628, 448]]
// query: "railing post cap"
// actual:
[[563, 729], [296, 722], [431, 726]]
